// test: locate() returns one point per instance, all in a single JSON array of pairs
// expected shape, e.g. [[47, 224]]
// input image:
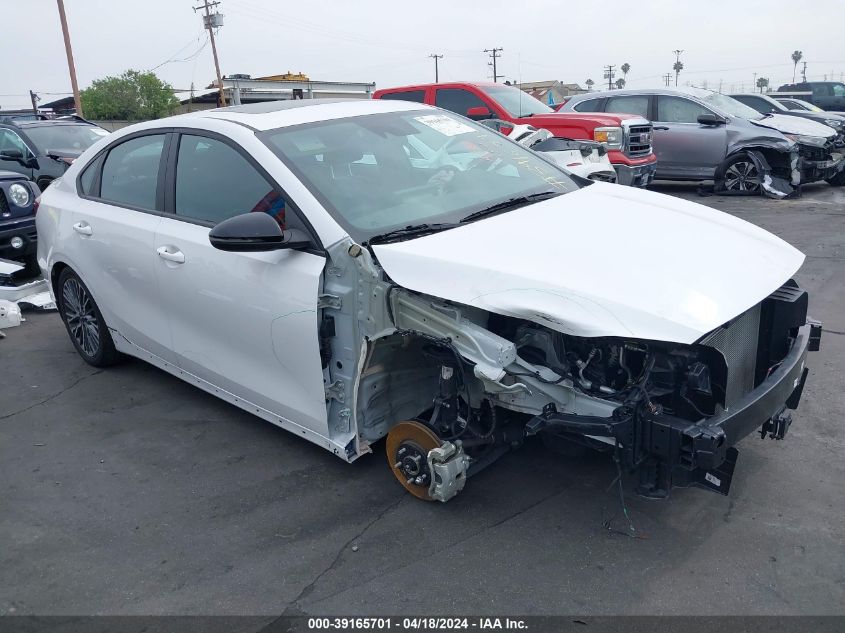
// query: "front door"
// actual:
[[684, 147], [244, 322]]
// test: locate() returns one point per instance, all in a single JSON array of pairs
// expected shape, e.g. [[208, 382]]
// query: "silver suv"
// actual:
[[704, 135]]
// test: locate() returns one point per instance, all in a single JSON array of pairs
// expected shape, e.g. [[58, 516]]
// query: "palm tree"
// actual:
[[590, 83], [620, 83], [625, 68], [677, 67], [762, 82], [796, 57]]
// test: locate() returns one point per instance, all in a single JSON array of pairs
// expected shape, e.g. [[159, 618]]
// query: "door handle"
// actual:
[[171, 254], [660, 127], [83, 228]]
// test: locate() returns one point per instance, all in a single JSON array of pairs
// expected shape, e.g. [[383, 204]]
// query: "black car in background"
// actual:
[[42, 149], [18, 204], [765, 104]]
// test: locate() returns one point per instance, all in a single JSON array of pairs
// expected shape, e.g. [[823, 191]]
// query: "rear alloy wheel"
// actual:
[[742, 176], [84, 322]]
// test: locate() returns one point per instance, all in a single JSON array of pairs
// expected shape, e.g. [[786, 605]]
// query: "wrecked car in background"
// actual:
[[309, 268], [704, 135], [587, 159]]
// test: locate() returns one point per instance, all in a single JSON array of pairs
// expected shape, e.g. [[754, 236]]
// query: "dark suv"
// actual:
[[18, 203], [42, 150]]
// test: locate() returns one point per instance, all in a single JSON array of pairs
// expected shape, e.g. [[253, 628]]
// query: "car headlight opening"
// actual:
[[19, 195]]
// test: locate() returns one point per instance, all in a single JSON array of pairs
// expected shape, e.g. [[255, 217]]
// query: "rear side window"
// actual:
[[457, 100], [88, 179], [678, 110], [632, 104], [590, 105], [130, 172], [417, 96], [215, 182]]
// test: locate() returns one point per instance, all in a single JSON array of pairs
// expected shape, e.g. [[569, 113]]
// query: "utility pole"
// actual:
[[494, 53], [70, 65], [436, 57], [34, 98], [609, 74], [210, 25], [666, 78], [804, 72]]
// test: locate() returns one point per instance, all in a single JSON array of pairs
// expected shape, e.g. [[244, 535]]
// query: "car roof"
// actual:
[[686, 91], [275, 114]]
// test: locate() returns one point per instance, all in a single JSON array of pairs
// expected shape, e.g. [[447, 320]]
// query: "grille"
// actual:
[[738, 344], [4, 204], [638, 140]]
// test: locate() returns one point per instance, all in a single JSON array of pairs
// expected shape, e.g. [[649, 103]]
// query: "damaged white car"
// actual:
[[304, 261]]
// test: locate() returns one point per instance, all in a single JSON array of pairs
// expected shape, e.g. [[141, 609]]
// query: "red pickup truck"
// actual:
[[627, 137]]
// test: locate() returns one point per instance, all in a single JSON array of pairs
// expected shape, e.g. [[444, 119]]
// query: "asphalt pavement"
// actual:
[[127, 491]]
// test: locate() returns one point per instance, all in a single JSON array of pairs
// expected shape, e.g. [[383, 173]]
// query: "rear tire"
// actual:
[[838, 180], [84, 321]]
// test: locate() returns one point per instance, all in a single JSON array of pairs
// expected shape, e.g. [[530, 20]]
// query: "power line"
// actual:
[[494, 54]]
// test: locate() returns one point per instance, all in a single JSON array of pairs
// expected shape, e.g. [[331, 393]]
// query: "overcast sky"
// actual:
[[388, 41]]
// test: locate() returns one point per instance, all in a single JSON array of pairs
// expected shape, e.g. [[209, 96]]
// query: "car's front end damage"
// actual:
[[462, 374]]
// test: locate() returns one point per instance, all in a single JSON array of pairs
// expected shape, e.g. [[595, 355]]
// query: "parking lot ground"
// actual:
[[126, 491]]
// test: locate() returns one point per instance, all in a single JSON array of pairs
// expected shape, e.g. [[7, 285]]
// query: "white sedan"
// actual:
[[304, 261]]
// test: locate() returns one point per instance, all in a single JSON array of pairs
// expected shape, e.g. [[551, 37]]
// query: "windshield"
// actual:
[[807, 105], [515, 101], [732, 107], [72, 137], [381, 172]]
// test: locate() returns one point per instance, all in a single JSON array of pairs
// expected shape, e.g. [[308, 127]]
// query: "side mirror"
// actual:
[[710, 119], [12, 154], [479, 112], [255, 232]]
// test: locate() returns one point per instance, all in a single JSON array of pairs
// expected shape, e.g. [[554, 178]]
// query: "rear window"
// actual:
[[632, 104], [590, 105], [417, 96]]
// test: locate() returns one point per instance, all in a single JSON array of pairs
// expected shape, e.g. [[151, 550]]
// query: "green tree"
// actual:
[[590, 83], [762, 82], [625, 68], [620, 83], [133, 96]]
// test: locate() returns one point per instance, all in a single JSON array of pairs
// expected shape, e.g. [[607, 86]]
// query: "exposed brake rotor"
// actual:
[[408, 444]]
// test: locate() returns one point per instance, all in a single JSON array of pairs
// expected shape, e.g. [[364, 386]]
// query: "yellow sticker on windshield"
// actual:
[[444, 124]]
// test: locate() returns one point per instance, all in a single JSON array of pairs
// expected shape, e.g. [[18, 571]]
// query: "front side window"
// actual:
[[632, 104], [678, 110], [417, 96], [130, 172], [215, 182], [517, 102], [457, 100], [379, 172], [11, 141]]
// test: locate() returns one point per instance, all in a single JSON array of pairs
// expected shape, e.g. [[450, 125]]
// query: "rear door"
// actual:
[[628, 104], [245, 323], [684, 147], [112, 244]]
